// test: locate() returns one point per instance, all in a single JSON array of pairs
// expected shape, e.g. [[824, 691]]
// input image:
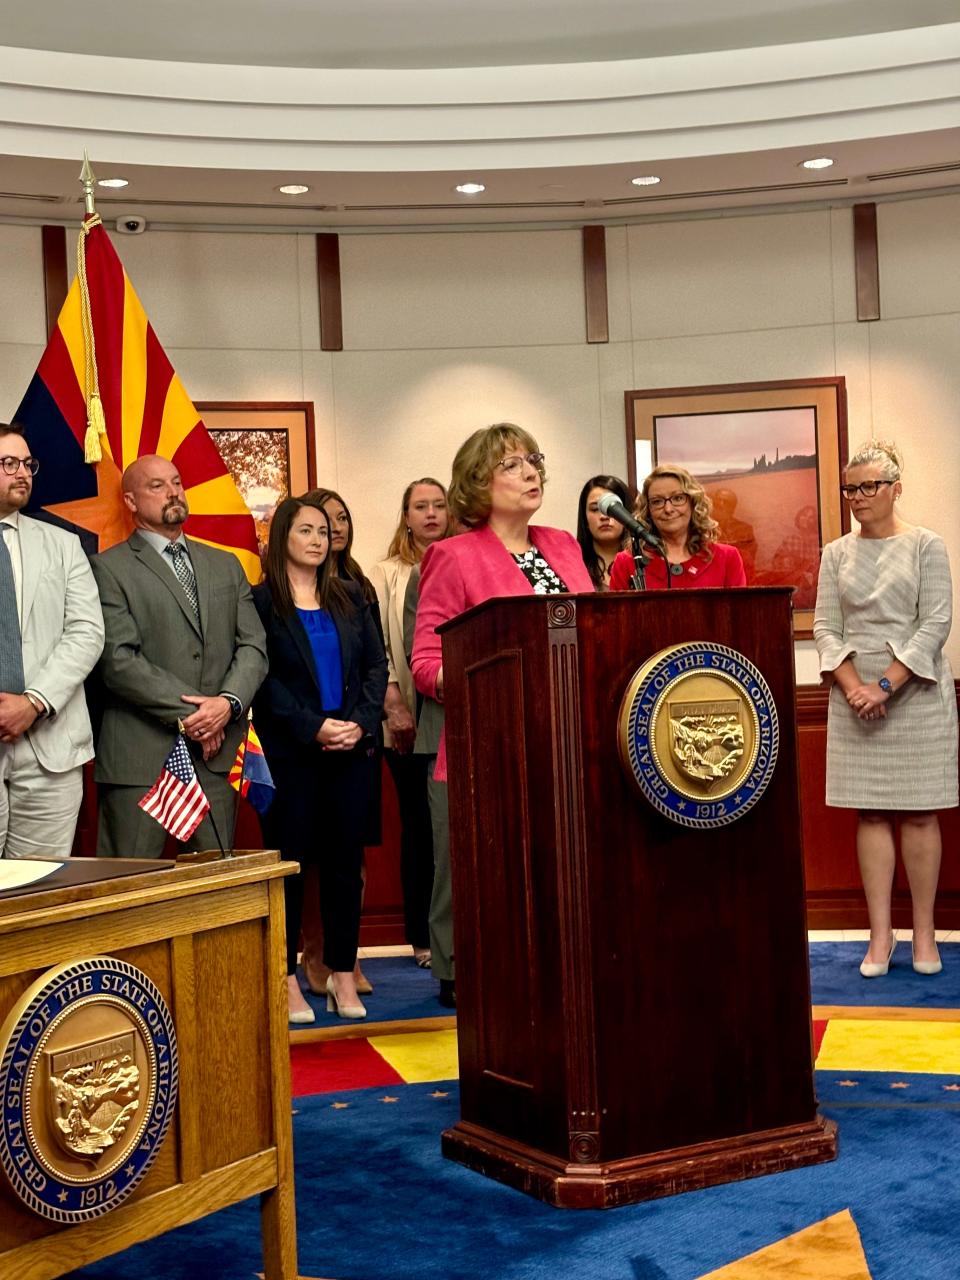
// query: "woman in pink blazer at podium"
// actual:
[[496, 489]]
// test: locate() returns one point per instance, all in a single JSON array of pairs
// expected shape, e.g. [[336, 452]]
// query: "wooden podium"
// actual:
[[633, 995], [210, 938]]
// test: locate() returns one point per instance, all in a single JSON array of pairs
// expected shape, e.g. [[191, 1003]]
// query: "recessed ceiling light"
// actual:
[[113, 182], [648, 180], [470, 188], [293, 189], [820, 162]]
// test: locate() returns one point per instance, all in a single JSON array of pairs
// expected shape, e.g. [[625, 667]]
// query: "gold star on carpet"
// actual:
[[129, 1171], [106, 515], [443, 1093], [62, 1195], [389, 1099], [899, 1084], [294, 1111], [952, 1088], [848, 1084], [339, 1106]]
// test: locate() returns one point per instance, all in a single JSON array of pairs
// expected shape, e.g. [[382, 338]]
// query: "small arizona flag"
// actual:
[[250, 774], [103, 395]]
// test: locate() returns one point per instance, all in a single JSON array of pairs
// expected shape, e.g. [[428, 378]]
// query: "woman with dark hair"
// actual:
[[674, 507], [344, 567], [423, 520], [601, 537], [316, 714]]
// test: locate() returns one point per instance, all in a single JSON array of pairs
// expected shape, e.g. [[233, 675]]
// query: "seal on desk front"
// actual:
[[88, 1086], [699, 734]]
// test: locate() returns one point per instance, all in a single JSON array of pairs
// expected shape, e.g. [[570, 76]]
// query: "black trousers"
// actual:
[[318, 816], [409, 773]]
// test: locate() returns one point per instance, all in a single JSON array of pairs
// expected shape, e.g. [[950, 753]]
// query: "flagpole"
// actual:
[[89, 182]]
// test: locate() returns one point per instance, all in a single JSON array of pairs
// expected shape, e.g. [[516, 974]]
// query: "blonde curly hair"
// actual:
[[703, 529]]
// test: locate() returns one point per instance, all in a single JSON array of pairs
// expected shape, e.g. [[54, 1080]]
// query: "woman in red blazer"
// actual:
[[674, 506], [496, 489]]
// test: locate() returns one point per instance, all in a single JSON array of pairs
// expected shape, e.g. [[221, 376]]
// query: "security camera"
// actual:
[[131, 224]]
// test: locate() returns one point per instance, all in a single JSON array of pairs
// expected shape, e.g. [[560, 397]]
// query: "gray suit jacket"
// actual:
[[430, 719], [155, 651], [62, 632]]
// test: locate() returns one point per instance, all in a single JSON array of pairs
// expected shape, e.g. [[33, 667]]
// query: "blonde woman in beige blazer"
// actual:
[[423, 521]]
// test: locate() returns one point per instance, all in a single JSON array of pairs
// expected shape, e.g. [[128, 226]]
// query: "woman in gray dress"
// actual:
[[883, 615]]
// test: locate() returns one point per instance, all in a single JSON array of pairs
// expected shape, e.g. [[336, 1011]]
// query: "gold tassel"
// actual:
[[96, 426]]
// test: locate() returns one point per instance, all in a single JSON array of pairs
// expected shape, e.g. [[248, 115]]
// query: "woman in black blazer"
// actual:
[[317, 713]]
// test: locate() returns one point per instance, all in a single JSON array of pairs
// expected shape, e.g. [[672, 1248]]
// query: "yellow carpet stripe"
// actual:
[[421, 1057], [857, 1044], [827, 1250], [133, 384]]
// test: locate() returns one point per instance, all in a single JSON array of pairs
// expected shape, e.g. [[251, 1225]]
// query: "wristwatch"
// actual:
[[885, 685]]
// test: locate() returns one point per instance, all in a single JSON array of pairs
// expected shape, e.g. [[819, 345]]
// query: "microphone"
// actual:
[[611, 506]]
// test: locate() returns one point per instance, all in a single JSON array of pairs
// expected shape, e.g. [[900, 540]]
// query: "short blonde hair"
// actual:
[[473, 467], [703, 528], [880, 453]]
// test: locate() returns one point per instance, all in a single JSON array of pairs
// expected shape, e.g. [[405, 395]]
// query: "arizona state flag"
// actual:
[[250, 774], [104, 352]]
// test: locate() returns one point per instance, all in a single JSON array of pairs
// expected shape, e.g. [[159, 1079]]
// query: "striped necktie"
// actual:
[[11, 642], [184, 575]]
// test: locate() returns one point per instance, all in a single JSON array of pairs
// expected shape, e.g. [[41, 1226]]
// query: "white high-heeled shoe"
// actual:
[[869, 969], [928, 966], [342, 1010], [297, 1008]]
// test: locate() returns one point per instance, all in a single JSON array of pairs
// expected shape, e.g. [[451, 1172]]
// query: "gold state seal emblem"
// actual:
[[88, 1082], [699, 734]]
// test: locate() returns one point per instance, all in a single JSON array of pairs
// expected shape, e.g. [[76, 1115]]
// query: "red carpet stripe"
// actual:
[[819, 1029], [332, 1065]]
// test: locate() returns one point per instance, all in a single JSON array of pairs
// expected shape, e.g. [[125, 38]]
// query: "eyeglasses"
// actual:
[[673, 499], [869, 488], [514, 465], [12, 465]]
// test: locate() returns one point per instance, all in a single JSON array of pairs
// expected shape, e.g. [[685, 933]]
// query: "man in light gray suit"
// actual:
[[51, 634], [183, 642]]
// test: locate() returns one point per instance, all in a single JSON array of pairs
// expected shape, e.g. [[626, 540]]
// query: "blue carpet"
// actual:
[[835, 979], [376, 1201], [402, 992]]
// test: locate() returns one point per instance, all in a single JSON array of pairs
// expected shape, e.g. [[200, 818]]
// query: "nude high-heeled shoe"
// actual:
[[342, 1010], [297, 1008], [927, 966], [870, 969]]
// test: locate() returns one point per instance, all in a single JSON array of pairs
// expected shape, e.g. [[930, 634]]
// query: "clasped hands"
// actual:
[[207, 723], [17, 714], [338, 735], [867, 700]]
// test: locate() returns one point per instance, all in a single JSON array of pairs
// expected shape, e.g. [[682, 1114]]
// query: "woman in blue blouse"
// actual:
[[316, 714]]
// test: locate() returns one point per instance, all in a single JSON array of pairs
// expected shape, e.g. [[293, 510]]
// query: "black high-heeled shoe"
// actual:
[[448, 993]]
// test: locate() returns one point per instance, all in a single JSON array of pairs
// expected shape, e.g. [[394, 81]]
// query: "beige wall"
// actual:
[[446, 332]]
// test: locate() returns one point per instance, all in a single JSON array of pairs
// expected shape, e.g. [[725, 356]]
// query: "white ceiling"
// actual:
[[207, 106], [443, 33]]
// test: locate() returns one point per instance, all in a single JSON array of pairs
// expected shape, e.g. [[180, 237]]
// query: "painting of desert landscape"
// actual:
[[760, 469], [259, 462]]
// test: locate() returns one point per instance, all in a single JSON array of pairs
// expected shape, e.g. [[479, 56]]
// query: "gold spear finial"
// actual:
[[89, 181]]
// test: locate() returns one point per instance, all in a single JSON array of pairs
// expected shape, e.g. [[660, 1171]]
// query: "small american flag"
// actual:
[[176, 799]]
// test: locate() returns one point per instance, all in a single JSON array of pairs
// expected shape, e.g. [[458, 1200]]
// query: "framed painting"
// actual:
[[770, 455], [269, 448]]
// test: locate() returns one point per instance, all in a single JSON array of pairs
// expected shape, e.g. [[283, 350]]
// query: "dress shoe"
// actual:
[[928, 966], [315, 972], [448, 993], [422, 957], [297, 1008], [342, 1010], [871, 970]]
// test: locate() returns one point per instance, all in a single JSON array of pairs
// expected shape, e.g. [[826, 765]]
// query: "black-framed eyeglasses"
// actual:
[[12, 465], [869, 488], [513, 466], [674, 499]]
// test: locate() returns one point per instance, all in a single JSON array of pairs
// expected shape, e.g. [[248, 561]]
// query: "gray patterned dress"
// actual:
[[880, 599]]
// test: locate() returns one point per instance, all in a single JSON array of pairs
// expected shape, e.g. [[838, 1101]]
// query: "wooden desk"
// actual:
[[210, 938]]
